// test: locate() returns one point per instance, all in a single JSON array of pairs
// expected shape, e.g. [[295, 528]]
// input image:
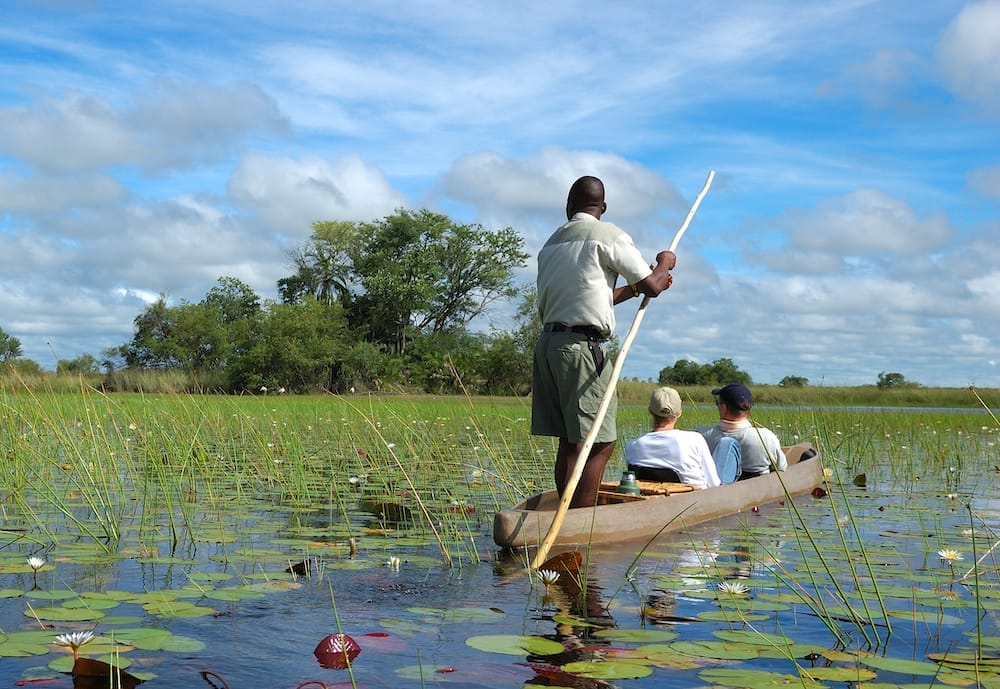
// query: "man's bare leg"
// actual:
[[590, 481]]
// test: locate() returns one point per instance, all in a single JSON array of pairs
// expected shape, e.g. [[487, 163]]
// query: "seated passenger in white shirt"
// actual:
[[666, 448]]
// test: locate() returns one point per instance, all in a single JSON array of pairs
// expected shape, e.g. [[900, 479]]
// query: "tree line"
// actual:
[[370, 304], [386, 304]]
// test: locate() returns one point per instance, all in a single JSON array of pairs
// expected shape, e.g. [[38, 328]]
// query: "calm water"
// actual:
[[872, 548]]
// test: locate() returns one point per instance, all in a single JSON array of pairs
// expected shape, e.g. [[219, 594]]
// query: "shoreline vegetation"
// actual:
[[169, 498], [630, 392]]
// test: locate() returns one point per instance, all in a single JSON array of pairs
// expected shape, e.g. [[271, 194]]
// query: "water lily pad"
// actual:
[[94, 603], [793, 651], [511, 644], [53, 595], [146, 638], [755, 679], [736, 616], [753, 638], [903, 666], [608, 669], [662, 655], [20, 644], [182, 644], [928, 617], [403, 627], [177, 608], [839, 674], [749, 604], [963, 660], [66, 664], [719, 650], [233, 593], [274, 586], [114, 620], [65, 614], [636, 635], [479, 675], [460, 614], [209, 577]]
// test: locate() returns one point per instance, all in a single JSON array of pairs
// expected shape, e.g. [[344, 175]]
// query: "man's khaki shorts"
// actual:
[[567, 390]]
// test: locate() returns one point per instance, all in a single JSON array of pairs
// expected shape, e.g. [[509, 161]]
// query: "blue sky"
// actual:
[[852, 228]]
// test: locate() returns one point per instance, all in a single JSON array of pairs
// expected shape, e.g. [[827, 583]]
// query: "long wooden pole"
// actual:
[[588, 443]]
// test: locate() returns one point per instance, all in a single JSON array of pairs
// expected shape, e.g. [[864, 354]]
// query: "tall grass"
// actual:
[[159, 466]]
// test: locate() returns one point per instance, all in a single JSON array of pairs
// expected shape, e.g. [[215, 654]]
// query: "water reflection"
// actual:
[[576, 605]]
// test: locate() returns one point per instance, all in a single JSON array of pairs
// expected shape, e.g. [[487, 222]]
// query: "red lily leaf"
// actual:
[[564, 563], [96, 674], [566, 679]]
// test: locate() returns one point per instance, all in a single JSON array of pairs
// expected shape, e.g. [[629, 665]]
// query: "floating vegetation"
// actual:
[[181, 531]]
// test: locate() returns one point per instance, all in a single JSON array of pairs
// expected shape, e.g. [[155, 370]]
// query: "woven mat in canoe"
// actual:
[[654, 487]]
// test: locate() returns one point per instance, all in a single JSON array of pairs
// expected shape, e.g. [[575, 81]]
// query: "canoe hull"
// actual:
[[527, 523]]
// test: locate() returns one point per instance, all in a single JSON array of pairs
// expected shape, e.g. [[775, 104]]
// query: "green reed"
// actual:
[[87, 455]]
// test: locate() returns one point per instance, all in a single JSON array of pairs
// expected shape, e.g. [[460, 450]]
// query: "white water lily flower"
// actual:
[[735, 588], [548, 576], [75, 639], [950, 555], [36, 563], [393, 563]]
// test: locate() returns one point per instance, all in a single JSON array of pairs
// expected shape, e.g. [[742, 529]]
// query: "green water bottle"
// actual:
[[628, 484]]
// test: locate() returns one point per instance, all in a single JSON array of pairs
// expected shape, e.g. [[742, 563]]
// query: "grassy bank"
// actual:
[[813, 396], [629, 392]]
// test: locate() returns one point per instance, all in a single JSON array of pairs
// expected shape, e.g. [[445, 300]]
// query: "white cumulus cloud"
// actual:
[[970, 53]]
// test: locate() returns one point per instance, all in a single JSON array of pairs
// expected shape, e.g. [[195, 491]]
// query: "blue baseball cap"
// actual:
[[735, 395]]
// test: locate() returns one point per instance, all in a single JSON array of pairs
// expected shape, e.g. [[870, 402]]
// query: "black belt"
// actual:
[[590, 331]]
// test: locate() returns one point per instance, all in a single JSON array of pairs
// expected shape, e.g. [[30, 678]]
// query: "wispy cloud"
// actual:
[[851, 228]]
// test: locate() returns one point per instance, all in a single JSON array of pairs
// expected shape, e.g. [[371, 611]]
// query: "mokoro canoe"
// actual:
[[619, 517]]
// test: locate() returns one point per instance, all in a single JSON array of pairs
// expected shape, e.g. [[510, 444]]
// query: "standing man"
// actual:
[[578, 269], [760, 448]]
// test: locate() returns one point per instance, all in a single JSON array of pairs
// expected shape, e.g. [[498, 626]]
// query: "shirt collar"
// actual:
[[734, 425]]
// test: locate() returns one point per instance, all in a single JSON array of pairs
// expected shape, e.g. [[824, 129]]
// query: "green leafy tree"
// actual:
[[322, 266], [198, 338], [10, 346], [411, 272], [297, 347], [725, 370], [719, 372], [22, 367], [793, 382], [150, 346], [684, 372], [85, 364], [234, 300], [368, 365], [239, 311], [893, 380]]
